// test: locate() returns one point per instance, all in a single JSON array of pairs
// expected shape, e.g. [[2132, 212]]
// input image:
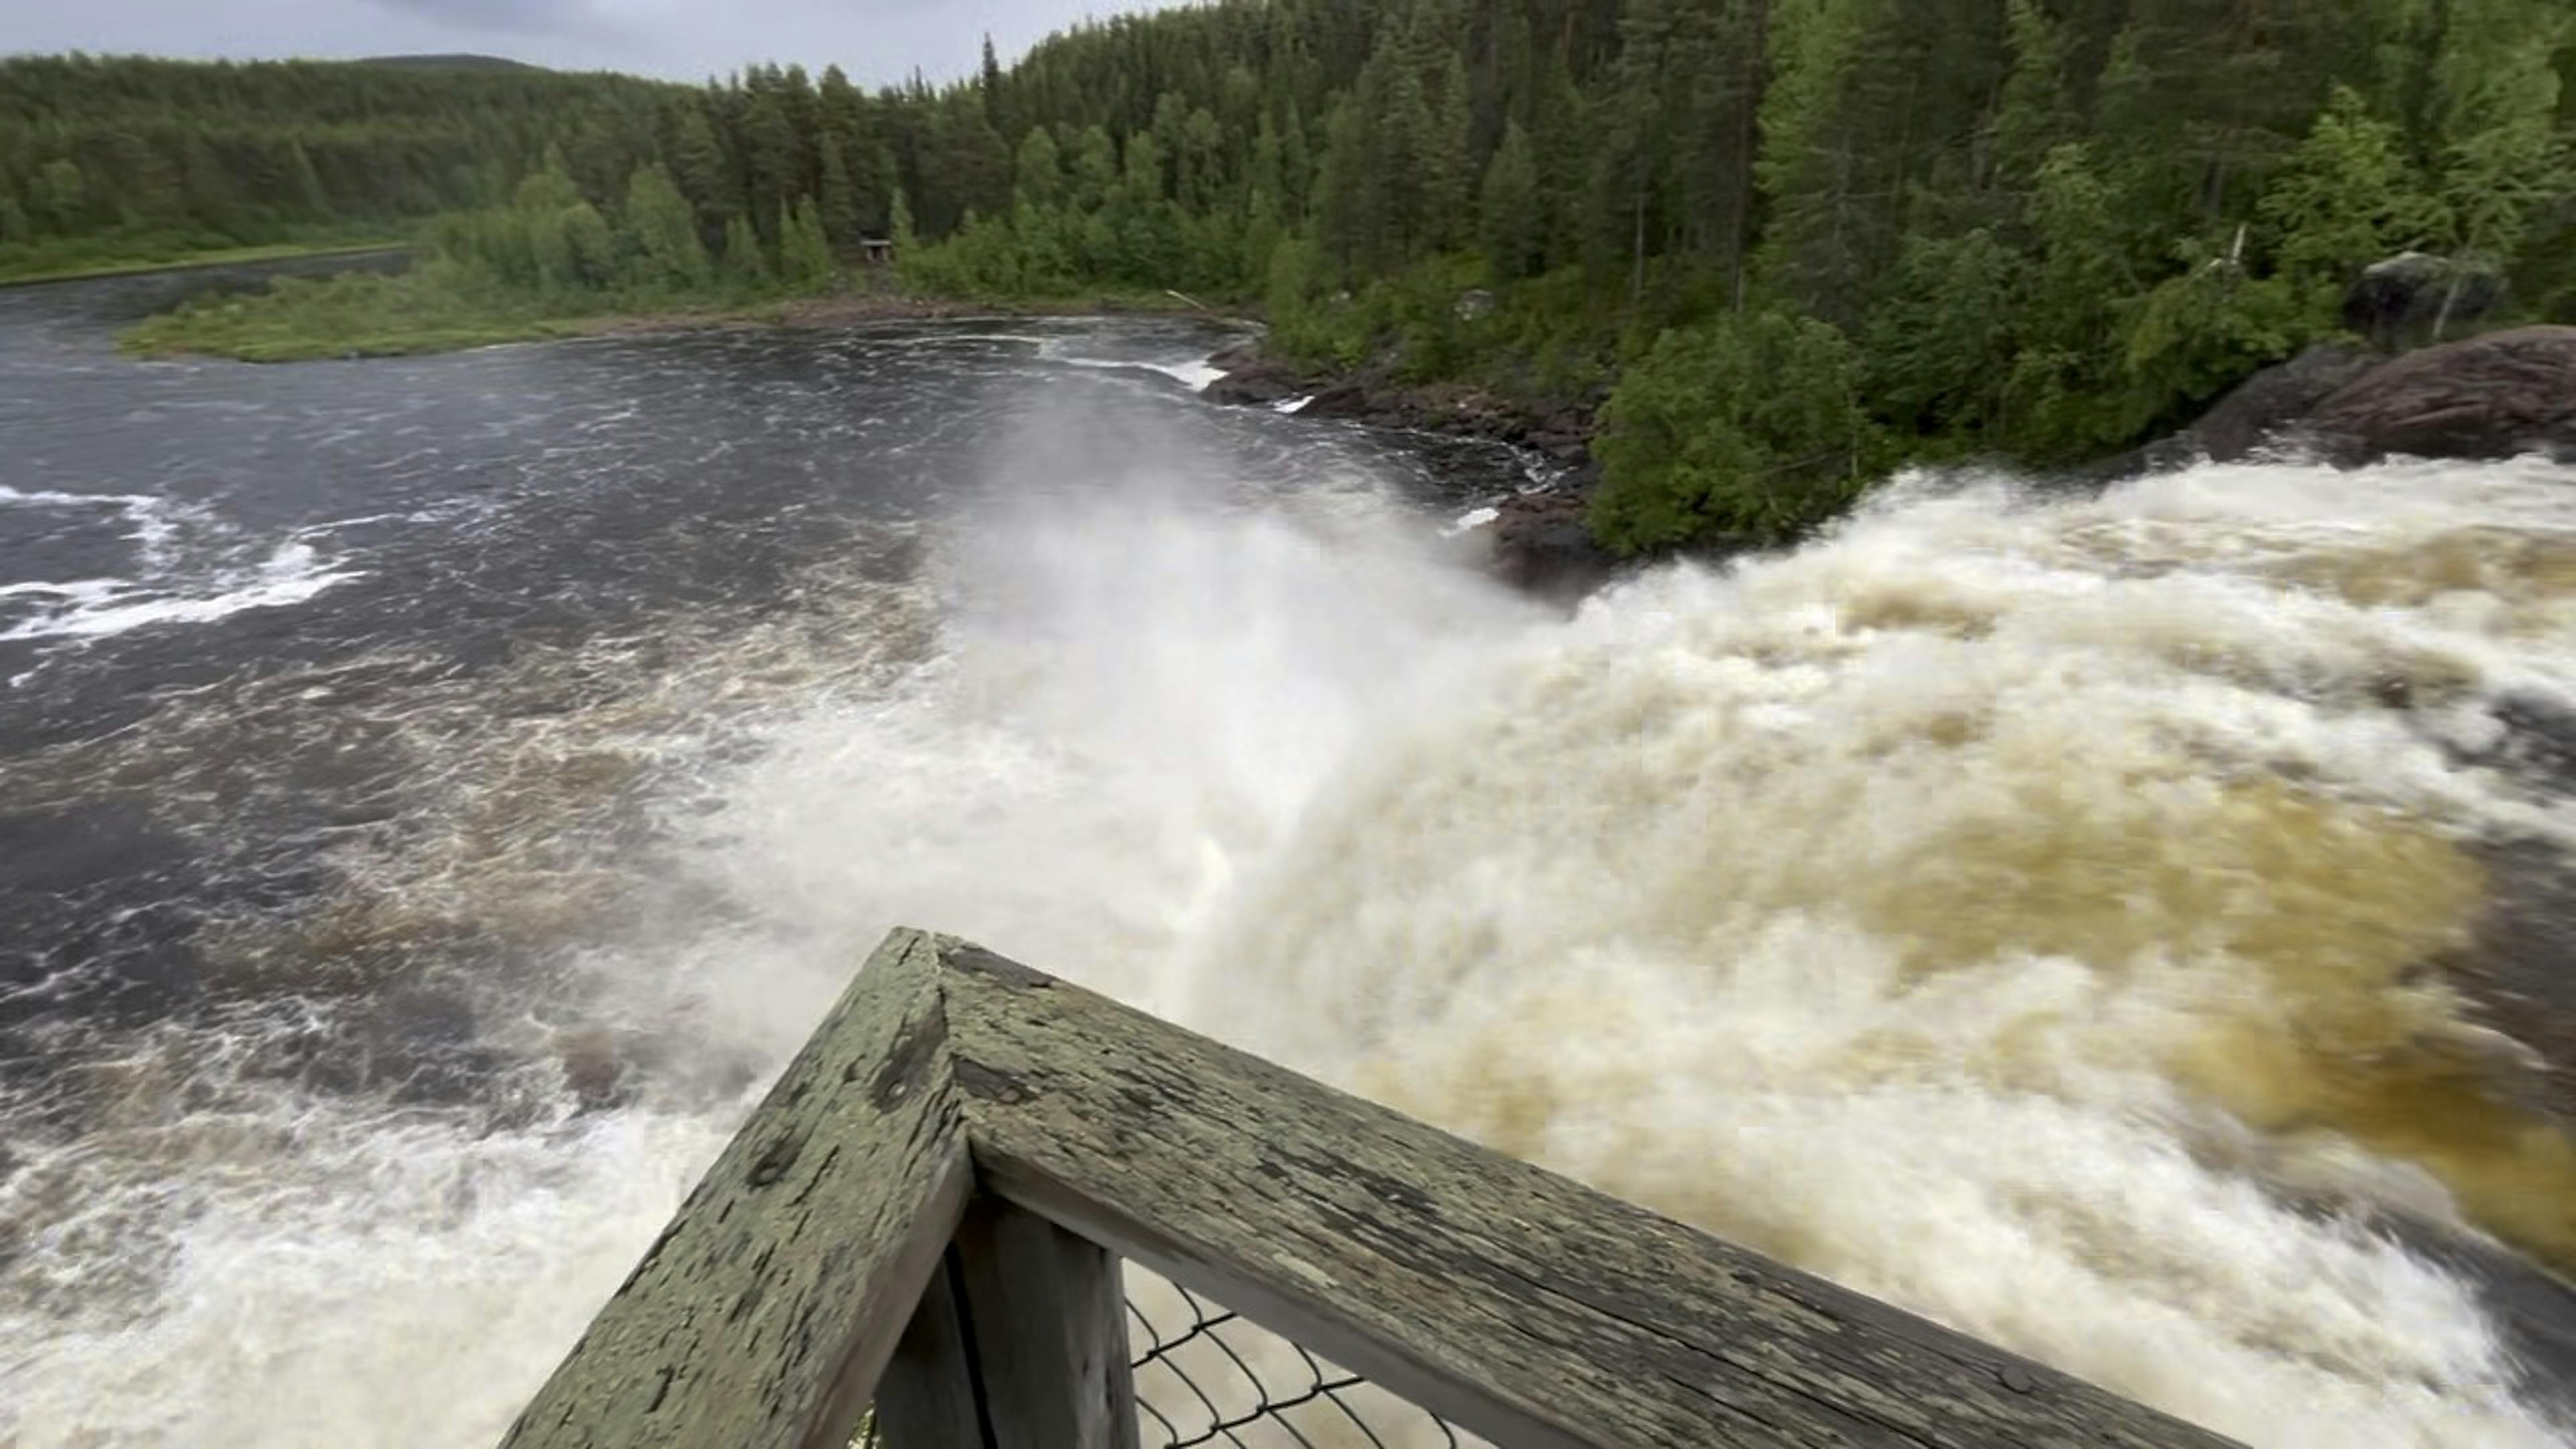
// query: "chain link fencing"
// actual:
[[1206, 1375]]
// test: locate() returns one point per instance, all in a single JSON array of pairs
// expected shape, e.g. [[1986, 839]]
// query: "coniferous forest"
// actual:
[[1784, 244]]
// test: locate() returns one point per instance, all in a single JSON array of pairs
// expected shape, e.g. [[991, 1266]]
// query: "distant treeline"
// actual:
[[238, 152], [1813, 236]]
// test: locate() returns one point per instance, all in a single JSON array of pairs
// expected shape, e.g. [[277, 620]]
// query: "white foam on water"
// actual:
[[189, 567], [154, 520], [91, 609], [364, 1283], [1193, 375], [49, 498], [1194, 372], [1968, 906], [1471, 520], [945, 337]]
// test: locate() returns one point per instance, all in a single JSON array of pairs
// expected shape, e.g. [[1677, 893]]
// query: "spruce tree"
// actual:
[[804, 252], [1449, 177], [1564, 141], [1508, 207], [769, 147], [700, 167], [1345, 220], [745, 266], [839, 199], [899, 227], [661, 232], [1296, 165]]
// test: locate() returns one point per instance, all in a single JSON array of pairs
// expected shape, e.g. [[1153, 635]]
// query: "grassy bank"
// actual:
[[552, 264], [436, 307], [71, 261], [443, 307], [357, 314]]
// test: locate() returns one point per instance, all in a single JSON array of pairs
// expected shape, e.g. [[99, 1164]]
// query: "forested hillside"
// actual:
[[94, 147], [1809, 237]]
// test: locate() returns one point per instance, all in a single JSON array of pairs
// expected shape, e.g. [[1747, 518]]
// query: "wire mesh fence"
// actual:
[[1208, 1376], [1205, 1375]]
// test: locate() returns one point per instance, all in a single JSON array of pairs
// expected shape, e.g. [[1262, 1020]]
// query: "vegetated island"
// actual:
[[1746, 254]]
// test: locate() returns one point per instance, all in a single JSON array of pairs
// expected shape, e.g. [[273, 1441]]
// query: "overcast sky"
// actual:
[[874, 40]]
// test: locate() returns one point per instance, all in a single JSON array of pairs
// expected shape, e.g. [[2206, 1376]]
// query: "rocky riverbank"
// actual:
[[1538, 538], [2496, 396], [2493, 396], [1561, 433]]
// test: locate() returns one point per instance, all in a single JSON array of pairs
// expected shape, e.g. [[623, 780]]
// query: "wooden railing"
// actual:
[[928, 1212]]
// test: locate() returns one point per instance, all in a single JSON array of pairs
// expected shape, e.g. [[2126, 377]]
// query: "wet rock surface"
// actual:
[[1538, 539], [1373, 395], [2265, 409], [2416, 298], [1253, 380], [2490, 397], [1541, 544]]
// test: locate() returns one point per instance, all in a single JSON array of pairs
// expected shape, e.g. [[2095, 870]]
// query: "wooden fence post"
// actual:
[[1020, 1343]]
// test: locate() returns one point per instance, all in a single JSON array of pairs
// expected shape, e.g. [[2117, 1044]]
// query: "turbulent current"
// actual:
[[436, 795]]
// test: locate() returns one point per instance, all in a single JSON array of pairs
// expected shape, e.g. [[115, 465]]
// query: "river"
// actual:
[[435, 794]]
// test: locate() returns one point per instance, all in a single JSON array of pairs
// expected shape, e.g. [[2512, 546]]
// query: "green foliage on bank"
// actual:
[[357, 314], [1752, 427], [2023, 229], [1791, 245], [116, 255], [550, 264]]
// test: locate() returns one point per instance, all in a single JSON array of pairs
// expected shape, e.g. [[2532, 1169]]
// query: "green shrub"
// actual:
[[1750, 427]]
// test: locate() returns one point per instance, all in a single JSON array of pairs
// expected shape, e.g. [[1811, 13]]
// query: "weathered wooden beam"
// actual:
[[1516, 1303], [763, 1315], [1047, 1314], [928, 1398], [1020, 1343]]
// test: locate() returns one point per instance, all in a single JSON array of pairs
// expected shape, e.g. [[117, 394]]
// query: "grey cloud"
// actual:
[[522, 17], [877, 41]]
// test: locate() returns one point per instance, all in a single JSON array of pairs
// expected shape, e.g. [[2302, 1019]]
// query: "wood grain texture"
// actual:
[[1020, 1342], [928, 1398], [1516, 1303], [1046, 1315], [763, 1315]]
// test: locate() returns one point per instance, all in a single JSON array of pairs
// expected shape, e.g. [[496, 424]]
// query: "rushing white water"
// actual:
[[1192, 372], [94, 608], [187, 567], [1994, 907]]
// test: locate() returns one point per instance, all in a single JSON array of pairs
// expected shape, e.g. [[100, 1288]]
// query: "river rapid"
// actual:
[[437, 794]]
